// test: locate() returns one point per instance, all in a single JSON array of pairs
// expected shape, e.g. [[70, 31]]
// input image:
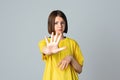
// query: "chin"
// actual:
[[60, 32]]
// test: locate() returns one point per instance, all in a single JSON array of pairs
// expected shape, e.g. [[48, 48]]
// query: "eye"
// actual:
[[56, 23], [62, 22]]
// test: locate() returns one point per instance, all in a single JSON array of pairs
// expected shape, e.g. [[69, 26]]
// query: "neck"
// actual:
[[62, 37]]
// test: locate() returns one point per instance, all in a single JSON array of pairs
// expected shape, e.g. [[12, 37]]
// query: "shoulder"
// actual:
[[71, 39], [41, 42]]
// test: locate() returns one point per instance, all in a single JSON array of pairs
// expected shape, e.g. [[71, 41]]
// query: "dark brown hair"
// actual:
[[51, 20]]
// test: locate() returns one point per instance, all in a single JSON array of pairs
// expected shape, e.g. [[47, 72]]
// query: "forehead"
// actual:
[[58, 18]]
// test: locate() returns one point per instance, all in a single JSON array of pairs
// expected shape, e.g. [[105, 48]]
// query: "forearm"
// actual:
[[76, 65]]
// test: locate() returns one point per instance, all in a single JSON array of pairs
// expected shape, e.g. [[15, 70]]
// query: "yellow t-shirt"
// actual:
[[52, 71]]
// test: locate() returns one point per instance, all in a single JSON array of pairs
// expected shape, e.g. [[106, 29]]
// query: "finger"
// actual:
[[59, 64], [62, 66], [55, 38], [60, 49], [66, 65], [46, 40], [52, 37], [58, 38]]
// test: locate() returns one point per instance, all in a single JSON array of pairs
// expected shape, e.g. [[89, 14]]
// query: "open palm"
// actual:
[[52, 46]]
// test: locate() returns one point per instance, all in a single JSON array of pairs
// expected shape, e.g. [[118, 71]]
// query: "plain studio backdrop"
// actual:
[[94, 24]]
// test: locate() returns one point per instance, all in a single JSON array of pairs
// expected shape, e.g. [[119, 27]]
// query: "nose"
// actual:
[[60, 24]]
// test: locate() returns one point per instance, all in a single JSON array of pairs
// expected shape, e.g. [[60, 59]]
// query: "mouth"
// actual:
[[60, 29]]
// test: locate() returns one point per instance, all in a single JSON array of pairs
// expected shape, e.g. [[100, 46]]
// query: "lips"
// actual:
[[60, 29]]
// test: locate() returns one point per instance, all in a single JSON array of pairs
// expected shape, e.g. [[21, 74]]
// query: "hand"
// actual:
[[65, 62], [52, 46]]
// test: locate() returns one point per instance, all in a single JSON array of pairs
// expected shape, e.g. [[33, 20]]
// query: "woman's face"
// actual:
[[59, 25]]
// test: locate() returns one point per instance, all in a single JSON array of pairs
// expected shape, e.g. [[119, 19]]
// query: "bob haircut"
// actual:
[[51, 20]]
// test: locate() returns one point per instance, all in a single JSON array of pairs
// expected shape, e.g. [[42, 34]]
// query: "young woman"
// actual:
[[61, 54]]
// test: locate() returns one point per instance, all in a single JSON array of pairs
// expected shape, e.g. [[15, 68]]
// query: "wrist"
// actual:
[[46, 51], [71, 59]]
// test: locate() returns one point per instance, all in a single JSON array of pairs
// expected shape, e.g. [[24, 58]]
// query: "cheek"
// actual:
[[64, 28], [55, 28]]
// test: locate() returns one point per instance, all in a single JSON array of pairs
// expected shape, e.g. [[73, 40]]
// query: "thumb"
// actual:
[[60, 49]]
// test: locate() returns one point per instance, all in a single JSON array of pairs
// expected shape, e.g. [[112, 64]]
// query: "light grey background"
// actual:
[[94, 24]]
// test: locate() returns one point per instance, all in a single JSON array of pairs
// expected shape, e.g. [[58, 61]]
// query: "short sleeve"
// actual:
[[78, 54], [41, 45]]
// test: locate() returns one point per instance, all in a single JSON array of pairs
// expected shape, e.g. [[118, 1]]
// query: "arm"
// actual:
[[76, 65], [70, 60]]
